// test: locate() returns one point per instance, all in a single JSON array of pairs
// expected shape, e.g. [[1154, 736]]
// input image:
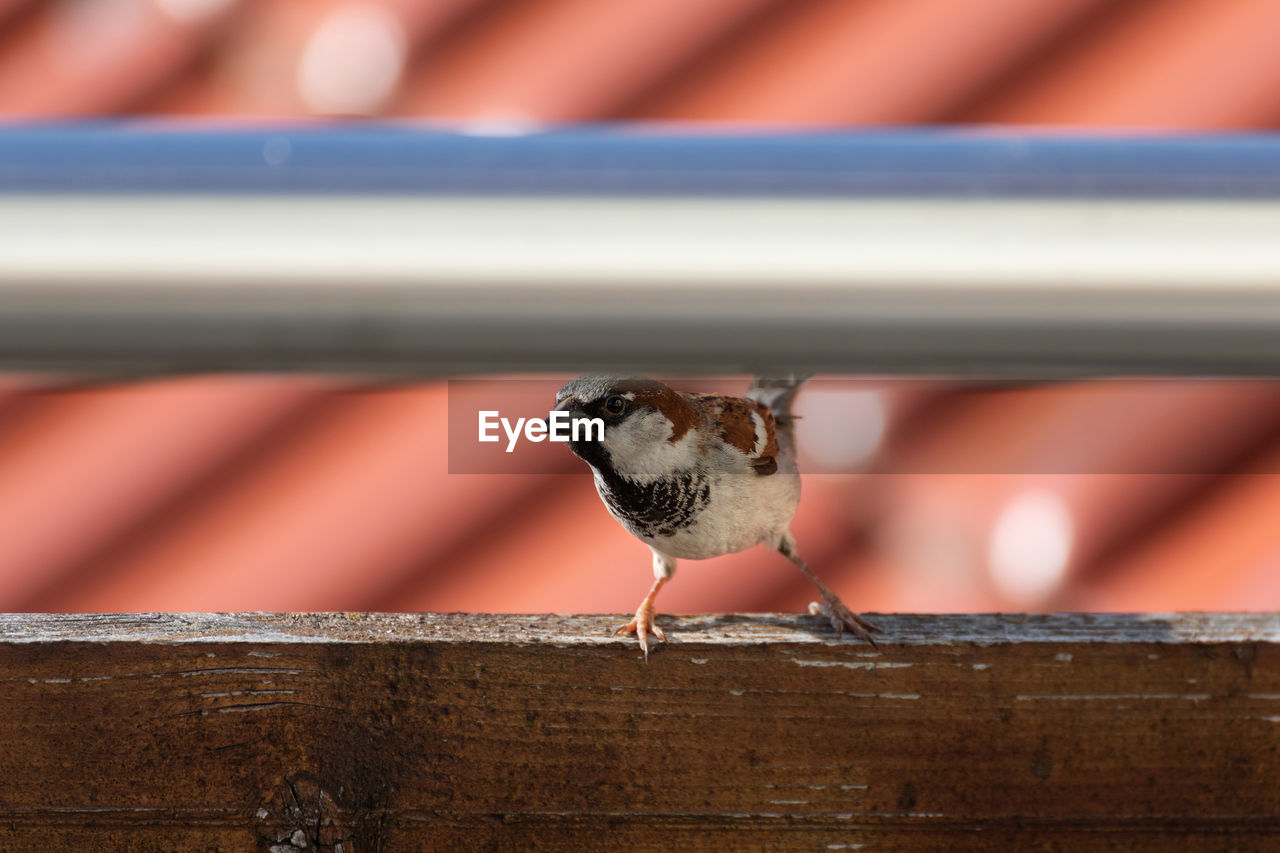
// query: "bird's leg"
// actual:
[[840, 616], [643, 625]]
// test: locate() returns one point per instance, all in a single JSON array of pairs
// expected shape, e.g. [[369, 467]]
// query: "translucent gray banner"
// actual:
[[931, 426]]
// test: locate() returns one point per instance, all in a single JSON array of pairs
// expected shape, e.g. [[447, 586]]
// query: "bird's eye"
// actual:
[[615, 405]]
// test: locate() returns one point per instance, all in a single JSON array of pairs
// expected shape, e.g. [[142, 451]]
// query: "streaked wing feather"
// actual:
[[745, 424]]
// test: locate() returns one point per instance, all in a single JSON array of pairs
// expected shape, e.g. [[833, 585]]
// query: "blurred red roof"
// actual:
[[268, 492]]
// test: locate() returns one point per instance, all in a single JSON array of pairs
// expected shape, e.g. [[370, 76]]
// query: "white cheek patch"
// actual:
[[640, 446]]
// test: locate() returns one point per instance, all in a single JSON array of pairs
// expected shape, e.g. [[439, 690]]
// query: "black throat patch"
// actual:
[[659, 508]]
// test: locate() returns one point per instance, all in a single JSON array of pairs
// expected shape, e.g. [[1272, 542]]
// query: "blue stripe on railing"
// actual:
[[390, 158]]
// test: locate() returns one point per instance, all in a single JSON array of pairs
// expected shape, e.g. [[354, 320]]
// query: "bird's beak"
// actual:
[[566, 405]]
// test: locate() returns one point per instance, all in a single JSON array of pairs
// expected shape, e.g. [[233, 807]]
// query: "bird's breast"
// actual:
[[659, 507], [696, 515]]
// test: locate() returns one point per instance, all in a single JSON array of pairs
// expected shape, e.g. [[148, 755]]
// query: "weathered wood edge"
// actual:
[[430, 731], [594, 630]]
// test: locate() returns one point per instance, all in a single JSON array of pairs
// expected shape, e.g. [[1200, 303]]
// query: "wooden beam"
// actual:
[[408, 732]]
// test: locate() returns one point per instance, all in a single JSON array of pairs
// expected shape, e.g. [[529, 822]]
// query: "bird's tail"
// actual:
[[778, 393]]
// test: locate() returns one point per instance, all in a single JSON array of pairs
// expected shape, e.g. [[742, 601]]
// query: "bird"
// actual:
[[695, 476]]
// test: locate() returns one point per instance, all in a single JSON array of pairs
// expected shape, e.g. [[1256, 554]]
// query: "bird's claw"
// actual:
[[642, 626], [841, 617]]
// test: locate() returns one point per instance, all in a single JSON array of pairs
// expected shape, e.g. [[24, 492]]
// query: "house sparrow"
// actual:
[[696, 476]]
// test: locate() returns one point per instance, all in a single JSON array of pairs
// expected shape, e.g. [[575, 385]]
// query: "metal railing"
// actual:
[[394, 249]]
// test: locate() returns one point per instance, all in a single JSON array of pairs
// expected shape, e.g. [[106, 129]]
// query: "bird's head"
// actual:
[[647, 425]]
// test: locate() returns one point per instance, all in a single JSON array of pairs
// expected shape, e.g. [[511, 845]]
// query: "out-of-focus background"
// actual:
[[310, 492]]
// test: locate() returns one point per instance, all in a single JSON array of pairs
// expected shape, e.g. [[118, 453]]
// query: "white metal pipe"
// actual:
[[443, 285]]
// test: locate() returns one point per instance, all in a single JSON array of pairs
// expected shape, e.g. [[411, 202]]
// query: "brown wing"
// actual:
[[745, 424]]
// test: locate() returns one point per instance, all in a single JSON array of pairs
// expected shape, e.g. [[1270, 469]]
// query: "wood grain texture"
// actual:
[[419, 732]]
